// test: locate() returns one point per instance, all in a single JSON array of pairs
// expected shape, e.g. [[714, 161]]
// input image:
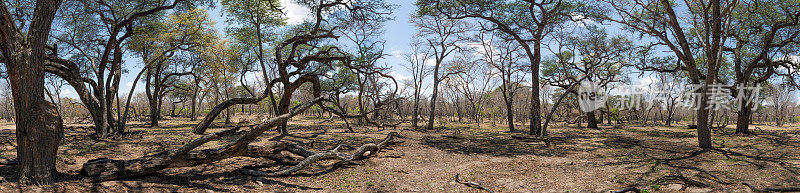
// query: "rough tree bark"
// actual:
[[39, 130]]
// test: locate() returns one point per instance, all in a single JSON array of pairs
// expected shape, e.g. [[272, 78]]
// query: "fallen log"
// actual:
[[109, 169], [362, 152]]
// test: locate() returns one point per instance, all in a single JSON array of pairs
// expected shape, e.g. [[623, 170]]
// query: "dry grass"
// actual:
[[580, 160]]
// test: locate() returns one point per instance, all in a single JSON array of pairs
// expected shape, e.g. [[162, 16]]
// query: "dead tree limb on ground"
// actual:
[[185, 156], [360, 153]]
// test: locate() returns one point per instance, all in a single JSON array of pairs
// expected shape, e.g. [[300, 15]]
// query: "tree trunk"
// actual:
[[535, 125], [510, 115], [591, 120], [434, 95], [38, 126], [200, 128], [154, 112], [670, 116], [415, 114]]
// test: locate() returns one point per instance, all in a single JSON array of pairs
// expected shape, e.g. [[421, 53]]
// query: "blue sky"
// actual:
[[398, 33]]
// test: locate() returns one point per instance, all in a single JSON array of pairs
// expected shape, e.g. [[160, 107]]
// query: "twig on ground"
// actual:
[[471, 184]]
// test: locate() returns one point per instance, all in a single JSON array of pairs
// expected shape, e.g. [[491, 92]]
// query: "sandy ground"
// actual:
[[579, 160]]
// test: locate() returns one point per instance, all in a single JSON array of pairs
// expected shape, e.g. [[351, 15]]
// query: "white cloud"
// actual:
[[580, 19], [397, 52], [399, 77], [66, 91], [295, 13], [129, 84], [648, 80]]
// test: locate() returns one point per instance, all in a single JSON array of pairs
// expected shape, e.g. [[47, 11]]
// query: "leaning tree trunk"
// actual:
[[200, 128], [124, 119]]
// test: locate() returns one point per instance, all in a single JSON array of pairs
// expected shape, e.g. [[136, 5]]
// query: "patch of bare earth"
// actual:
[[579, 160]]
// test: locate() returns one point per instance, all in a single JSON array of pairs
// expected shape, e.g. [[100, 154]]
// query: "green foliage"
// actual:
[[590, 53], [179, 31], [521, 17]]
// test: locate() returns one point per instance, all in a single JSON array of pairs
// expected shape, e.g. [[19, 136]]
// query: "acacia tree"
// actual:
[[167, 48], [473, 83], [591, 56], [308, 60], [23, 38], [669, 86], [92, 38], [701, 27], [501, 55], [417, 60], [222, 69], [257, 19], [442, 37], [765, 33], [527, 22], [780, 97], [367, 47]]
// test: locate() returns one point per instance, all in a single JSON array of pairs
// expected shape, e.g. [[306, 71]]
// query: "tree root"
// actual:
[[770, 189], [470, 183], [362, 152]]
